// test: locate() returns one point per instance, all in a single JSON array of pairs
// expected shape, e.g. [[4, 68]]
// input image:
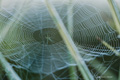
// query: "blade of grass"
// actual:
[[69, 42], [109, 46], [12, 75], [73, 71], [70, 18], [115, 14]]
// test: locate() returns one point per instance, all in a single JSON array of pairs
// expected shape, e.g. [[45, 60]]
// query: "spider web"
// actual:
[[33, 43]]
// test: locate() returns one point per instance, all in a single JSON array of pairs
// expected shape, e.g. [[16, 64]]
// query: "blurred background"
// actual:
[[30, 40]]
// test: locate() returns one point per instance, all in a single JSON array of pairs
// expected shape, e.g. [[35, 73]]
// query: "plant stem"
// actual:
[[73, 71], [8, 69], [69, 42], [109, 46], [70, 18], [115, 14]]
